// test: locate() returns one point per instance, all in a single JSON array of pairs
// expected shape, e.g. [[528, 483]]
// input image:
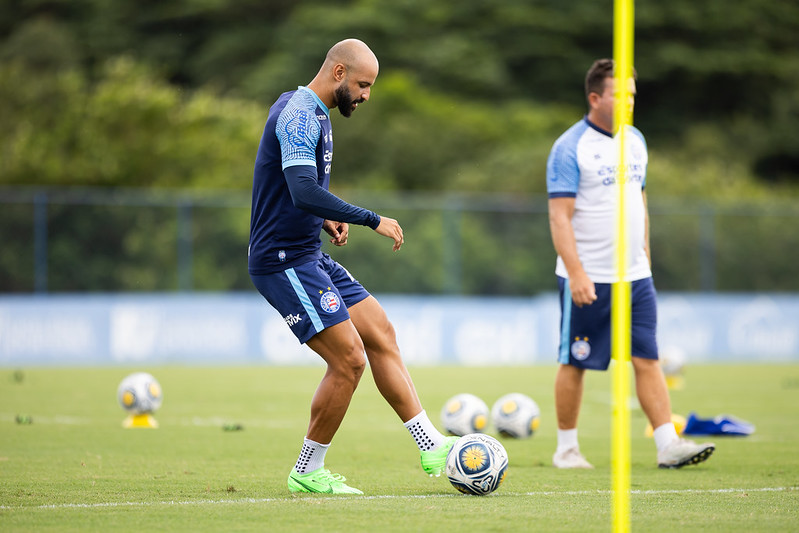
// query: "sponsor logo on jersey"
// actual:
[[330, 302], [581, 349], [292, 319], [634, 174], [322, 117]]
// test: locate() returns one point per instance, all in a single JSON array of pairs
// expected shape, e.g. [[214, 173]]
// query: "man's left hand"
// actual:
[[338, 230]]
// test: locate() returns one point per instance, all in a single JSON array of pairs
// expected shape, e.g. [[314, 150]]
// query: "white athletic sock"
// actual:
[[312, 456], [423, 431], [567, 438], [665, 435]]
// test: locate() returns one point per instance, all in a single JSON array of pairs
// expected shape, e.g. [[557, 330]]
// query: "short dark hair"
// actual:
[[596, 75]]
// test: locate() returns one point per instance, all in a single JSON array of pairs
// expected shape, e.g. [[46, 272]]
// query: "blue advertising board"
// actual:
[[240, 328]]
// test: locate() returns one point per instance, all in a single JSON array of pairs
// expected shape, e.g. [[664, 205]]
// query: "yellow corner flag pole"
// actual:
[[621, 313]]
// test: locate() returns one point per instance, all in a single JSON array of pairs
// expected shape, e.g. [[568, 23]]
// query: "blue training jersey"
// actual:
[[290, 196], [297, 132]]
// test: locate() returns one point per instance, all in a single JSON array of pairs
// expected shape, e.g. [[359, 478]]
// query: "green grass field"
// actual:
[[74, 468]]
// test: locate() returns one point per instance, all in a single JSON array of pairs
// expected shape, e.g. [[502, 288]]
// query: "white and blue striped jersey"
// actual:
[[582, 164]]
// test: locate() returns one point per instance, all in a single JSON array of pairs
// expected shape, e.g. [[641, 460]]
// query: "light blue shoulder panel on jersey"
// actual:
[[298, 128], [563, 173]]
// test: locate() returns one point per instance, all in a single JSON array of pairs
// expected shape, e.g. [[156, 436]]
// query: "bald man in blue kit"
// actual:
[[322, 303]]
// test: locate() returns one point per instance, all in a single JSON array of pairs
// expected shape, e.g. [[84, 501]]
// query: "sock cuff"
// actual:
[[567, 438], [312, 456], [310, 442], [424, 433], [664, 435], [421, 416]]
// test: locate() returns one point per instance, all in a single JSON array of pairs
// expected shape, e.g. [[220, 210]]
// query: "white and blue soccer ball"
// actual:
[[140, 393], [672, 360], [477, 464], [516, 415], [463, 414]]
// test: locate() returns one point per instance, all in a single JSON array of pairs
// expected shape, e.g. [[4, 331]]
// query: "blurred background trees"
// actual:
[[471, 95]]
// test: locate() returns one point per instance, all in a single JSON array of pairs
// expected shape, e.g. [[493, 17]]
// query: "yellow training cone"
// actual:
[[144, 420]]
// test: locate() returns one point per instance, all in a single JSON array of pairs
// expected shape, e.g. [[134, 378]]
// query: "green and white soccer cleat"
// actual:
[[435, 461], [320, 481]]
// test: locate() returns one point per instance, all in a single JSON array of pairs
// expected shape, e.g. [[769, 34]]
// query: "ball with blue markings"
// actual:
[[477, 464], [516, 416]]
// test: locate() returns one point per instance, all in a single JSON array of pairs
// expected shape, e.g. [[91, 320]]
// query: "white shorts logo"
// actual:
[[581, 349], [329, 302], [292, 319]]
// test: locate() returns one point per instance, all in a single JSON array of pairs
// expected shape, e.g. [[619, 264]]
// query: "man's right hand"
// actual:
[[390, 228], [582, 289]]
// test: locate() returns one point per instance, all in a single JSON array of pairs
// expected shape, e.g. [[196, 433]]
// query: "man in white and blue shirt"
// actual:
[[583, 197]]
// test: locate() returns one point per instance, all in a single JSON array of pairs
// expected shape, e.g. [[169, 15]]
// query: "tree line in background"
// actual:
[[469, 99]]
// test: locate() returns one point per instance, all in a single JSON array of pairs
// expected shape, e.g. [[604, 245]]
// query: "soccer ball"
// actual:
[[672, 360], [140, 393], [516, 415], [464, 413], [477, 464]]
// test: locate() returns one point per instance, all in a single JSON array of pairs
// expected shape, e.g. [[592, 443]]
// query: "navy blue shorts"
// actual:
[[585, 331], [312, 296]]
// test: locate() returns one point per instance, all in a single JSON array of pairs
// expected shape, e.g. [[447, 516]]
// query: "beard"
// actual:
[[345, 102]]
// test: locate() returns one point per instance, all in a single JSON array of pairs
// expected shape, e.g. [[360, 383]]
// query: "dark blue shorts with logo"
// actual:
[[585, 331], [312, 296]]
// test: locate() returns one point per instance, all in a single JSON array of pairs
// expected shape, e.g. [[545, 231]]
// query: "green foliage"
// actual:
[[108, 248], [469, 100], [219, 248], [410, 138], [17, 251], [735, 67], [128, 129]]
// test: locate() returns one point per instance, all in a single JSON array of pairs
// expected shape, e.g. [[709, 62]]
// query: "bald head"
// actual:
[[347, 75], [351, 53]]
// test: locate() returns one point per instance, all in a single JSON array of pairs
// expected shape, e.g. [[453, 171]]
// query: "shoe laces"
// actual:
[[327, 475], [572, 452]]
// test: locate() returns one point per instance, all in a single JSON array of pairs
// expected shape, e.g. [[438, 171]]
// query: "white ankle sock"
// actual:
[[423, 431], [312, 456], [567, 438], [665, 435]]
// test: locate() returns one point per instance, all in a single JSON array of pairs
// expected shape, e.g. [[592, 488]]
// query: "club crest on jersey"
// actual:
[[581, 349], [330, 302], [281, 256]]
